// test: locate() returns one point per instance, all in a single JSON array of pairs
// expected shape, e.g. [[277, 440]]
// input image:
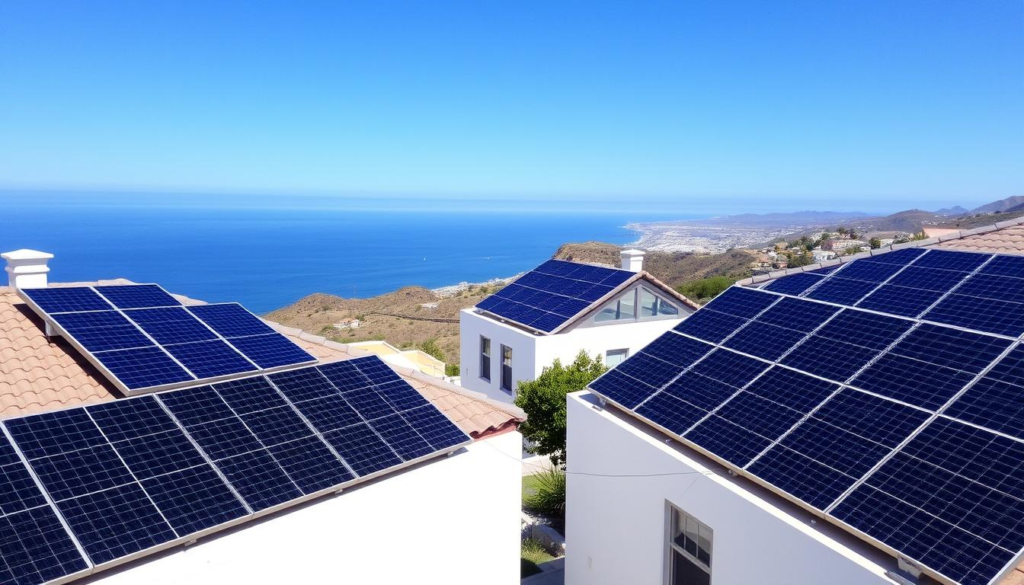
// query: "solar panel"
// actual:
[[34, 546], [553, 293], [135, 476], [140, 296], [794, 284], [143, 340], [854, 411]]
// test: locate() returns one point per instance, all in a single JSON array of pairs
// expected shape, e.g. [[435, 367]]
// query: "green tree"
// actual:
[[543, 401], [705, 288], [875, 243], [431, 348], [797, 260]]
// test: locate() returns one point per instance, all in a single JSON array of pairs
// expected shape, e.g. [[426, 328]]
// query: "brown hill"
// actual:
[[672, 268], [397, 317]]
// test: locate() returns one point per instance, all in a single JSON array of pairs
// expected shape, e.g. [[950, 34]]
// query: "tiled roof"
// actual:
[[39, 374], [1007, 240]]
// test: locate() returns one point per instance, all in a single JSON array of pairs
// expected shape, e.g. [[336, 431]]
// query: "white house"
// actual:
[[451, 519], [645, 508], [497, 351]]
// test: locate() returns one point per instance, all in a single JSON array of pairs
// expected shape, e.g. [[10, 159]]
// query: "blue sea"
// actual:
[[268, 253]]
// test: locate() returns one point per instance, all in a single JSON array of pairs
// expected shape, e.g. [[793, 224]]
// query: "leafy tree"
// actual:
[[705, 288], [431, 348], [875, 243], [841, 231], [800, 260], [543, 400]]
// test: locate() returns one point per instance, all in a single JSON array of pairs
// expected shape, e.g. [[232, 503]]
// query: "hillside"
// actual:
[[398, 317], [1002, 205], [672, 268]]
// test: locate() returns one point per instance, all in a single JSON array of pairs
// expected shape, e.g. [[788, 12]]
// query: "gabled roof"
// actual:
[[558, 293], [39, 373]]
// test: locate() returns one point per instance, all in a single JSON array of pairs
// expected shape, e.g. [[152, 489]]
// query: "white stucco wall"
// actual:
[[597, 339], [524, 365], [455, 520], [531, 353], [617, 526]]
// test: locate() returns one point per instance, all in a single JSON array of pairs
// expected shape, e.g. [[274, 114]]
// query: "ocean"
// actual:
[[269, 256]]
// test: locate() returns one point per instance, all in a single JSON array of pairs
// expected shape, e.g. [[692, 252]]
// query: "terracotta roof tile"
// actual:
[[39, 374], [1007, 240]]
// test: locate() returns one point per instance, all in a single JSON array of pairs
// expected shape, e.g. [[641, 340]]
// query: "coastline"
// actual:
[[454, 289]]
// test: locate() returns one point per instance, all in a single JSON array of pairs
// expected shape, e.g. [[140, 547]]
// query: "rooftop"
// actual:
[[39, 373]]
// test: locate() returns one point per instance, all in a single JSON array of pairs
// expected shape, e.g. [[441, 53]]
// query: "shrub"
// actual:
[[549, 501], [431, 348], [451, 370], [705, 288]]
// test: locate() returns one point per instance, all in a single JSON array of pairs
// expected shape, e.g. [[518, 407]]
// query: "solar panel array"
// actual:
[[886, 396], [98, 485], [550, 295], [145, 339]]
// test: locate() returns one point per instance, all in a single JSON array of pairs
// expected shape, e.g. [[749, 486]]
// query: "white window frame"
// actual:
[[625, 355], [637, 309], [501, 360], [673, 512], [485, 357]]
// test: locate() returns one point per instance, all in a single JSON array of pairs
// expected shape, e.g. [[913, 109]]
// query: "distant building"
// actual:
[[822, 255], [624, 314], [838, 245], [347, 324]]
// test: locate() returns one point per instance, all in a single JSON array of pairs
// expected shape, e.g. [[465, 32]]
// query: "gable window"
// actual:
[[689, 550], [623, 308], [614, 357], [651, 305], [506, 368], [485, 358]]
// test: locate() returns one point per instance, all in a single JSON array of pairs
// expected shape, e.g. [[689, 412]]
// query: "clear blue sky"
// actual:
[[855, 104]]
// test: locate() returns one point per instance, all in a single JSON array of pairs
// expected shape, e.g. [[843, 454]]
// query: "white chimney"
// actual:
[[632, 260], [26, 268]]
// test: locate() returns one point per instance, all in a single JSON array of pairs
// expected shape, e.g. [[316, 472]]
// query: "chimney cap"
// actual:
[[26, 254], [632, 252]]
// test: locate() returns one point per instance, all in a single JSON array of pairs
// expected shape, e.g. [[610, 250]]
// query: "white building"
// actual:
[[452, 519], [823, 255], [645, 509], [497, 353]]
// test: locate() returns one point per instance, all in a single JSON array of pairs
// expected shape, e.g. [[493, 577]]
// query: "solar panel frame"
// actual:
[[132, 347], [550, 296], [1004, 349]]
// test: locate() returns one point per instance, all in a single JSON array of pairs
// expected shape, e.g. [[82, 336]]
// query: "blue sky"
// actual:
[[841, 105]]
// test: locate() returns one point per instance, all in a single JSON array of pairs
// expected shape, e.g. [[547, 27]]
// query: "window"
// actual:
[[615, 357], [485, 358], [689, 550], [651, 305], [506, 368], [623, 308]]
